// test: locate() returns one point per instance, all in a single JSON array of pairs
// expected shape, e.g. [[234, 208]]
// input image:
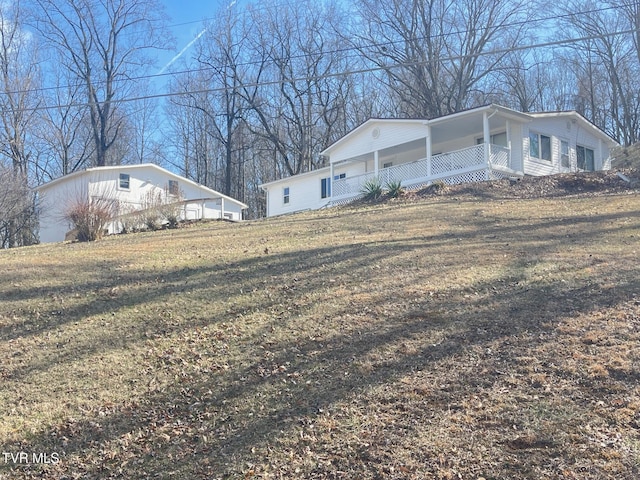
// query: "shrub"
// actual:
[[161, 207], [170, 212], [130, 219], [437, 187], [90, 217], [372, 189], [395, 188], [150, 213]]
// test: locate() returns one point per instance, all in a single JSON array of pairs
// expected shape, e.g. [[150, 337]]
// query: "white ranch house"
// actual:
[[130, 187], [485, 143]]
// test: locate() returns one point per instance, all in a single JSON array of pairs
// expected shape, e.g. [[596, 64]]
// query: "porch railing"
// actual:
[[468, 164]]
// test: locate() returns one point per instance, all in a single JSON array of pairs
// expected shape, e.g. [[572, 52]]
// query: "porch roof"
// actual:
[[467, 122]]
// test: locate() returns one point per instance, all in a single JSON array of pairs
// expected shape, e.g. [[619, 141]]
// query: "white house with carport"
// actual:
[[131, 188], [484, 143]]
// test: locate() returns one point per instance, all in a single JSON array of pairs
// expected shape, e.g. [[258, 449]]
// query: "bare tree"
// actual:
[[607, 63], [17, 210], [66, 129], [295, 55], [143, 117], [219, 57], [436, 54], [189, 119], [103, 44], [18, 81]]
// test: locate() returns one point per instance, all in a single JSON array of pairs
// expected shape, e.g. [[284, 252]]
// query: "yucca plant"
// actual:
[[372, 189], [394, 188]]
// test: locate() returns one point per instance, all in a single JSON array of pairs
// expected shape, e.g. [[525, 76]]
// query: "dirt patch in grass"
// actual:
[[450, 336]]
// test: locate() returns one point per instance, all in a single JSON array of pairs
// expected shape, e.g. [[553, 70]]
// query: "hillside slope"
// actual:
[[447, 336]]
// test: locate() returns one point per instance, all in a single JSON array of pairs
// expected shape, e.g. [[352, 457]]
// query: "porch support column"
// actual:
[[428, 139], [508, 127], [598, 163], [221, 207], [375, 163], [487, 137], [331, 168]]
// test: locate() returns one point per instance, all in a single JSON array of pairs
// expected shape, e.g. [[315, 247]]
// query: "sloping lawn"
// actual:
[[449, 338]]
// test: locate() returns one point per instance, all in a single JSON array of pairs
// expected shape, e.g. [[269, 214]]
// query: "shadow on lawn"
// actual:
[[209, 425]]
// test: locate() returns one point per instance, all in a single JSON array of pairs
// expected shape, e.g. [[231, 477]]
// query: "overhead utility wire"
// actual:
[[337, 74], [330, 52]]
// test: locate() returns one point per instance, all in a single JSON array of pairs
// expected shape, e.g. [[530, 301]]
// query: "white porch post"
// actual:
[[487, 137], [598, 164], [375, 163], [487, 143], [428, 150], [508, 127], [221, 207], [331, 179]]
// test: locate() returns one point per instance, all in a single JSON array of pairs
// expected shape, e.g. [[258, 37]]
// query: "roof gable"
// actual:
[[574, 117], [135, 169]]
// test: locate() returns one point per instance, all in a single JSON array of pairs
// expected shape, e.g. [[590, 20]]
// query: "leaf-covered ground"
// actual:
[[439, 336]]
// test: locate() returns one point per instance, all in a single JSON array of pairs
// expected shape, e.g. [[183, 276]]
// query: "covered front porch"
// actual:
[[461, 166], [476, 145]]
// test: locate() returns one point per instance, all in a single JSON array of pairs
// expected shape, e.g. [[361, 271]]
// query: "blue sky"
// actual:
[[186, 17]]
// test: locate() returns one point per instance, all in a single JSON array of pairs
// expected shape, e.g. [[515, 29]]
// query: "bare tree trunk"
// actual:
[[102, 43], [435, 54]]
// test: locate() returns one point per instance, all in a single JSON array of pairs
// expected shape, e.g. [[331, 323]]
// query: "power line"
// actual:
[[352, 49], [338, 74]]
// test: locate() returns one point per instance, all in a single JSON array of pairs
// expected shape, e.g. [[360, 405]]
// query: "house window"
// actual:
[[124, 181], [540, 146], [285, 195], [325, 187], [564, 154], [586, 158], [387, 165], [174, 188], [340, 176]]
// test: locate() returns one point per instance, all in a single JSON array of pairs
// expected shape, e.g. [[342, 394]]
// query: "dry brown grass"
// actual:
[[443, 338]]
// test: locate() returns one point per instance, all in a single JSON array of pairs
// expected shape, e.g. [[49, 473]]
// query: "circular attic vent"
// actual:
[[375, 133]]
